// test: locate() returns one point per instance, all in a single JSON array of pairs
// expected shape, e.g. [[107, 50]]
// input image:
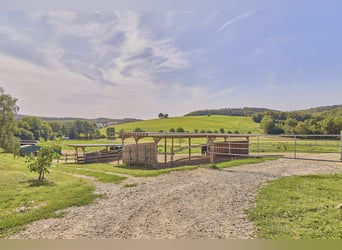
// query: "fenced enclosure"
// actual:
[[175, 149], [313, 147], [112, 152]]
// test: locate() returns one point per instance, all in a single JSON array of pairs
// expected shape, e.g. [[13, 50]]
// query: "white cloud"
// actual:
[[234, 20], [85, 74]]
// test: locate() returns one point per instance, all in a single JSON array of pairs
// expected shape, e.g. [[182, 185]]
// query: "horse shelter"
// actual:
[[230, 146]]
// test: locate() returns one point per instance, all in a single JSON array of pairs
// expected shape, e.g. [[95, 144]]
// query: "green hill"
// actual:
[[323, 110], [246, 111], [192, 123]]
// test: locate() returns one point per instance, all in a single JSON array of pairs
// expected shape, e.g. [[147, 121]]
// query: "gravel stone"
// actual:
[[199, 204]]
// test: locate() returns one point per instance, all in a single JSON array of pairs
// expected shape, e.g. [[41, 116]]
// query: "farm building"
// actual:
[[146, 154], [228, 146]]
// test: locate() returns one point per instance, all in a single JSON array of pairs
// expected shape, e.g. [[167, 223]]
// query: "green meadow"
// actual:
[[191, 123], [300, 207], [23, 200]]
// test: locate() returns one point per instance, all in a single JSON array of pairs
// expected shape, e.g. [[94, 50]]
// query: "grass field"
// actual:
[[23, 201], [190, 123], [300, 207]]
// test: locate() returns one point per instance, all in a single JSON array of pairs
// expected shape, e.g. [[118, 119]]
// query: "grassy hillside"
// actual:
[[322, 110], [190, 123]]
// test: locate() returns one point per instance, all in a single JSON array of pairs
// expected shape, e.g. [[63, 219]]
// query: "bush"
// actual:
[[180, 130]]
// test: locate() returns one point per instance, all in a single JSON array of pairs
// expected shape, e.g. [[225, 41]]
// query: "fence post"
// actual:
[[295, 147], [341, 145], [258, 150]]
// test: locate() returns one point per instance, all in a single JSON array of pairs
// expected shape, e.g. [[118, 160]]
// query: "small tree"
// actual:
[[110, 133], [40, 164], [180, 130]]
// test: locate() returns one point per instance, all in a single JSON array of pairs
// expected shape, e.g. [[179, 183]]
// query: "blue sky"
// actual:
[[115, 62]]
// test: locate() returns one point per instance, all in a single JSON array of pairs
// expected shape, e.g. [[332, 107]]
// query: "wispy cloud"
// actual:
[[109, 57], [234, 20]]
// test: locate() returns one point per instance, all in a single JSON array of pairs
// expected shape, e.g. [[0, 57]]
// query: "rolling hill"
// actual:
[[323, 110], [192, 123], [246, 111]]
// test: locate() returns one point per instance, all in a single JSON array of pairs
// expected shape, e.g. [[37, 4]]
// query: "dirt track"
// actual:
[[198, 204]]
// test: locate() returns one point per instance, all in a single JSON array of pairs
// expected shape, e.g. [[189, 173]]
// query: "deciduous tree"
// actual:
[[8, 109], [41, 163]]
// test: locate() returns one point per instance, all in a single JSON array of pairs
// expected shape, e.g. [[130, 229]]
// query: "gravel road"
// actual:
[[199, 204]]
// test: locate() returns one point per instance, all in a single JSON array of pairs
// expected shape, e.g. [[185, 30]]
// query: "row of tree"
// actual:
[[246, 111], [299, 123], [182, 130], [34, 128]]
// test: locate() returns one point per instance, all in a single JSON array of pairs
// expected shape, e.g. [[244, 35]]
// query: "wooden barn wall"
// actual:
[[142, 154]]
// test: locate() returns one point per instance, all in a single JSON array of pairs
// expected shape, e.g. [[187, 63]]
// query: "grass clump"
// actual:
[[23, 199], [130, 185], [300, 207]]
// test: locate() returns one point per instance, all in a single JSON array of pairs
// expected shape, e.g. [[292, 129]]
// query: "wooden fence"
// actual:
[[67, 158], [142, 154], [230, 148]]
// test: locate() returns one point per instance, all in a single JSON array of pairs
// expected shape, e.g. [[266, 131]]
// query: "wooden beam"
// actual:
[[165, 154], [189, 148], [156, 139], [172, 140]]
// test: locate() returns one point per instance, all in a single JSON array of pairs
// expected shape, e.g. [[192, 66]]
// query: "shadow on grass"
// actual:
[[39, 183], [136, 167]]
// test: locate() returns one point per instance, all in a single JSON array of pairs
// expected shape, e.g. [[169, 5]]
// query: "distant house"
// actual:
[[99, 125]]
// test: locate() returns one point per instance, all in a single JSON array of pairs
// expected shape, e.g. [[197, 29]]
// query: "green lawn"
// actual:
[[190, 123], [300, 207], [99, 176], [23, 201]]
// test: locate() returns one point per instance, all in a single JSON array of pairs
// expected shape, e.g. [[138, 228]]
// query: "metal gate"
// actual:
[[311, 147]]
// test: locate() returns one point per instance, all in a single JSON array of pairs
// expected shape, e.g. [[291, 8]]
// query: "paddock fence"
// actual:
[[311, 147]]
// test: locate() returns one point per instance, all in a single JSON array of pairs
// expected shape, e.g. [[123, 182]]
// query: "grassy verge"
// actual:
[[300, 207], [133, 171], [102, 177], [139, 172], [234, 163], [23, 201]]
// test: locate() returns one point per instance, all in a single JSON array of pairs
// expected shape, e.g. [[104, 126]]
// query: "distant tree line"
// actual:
[[182, 130], [34, 128], [273, 122], [229, 111]]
